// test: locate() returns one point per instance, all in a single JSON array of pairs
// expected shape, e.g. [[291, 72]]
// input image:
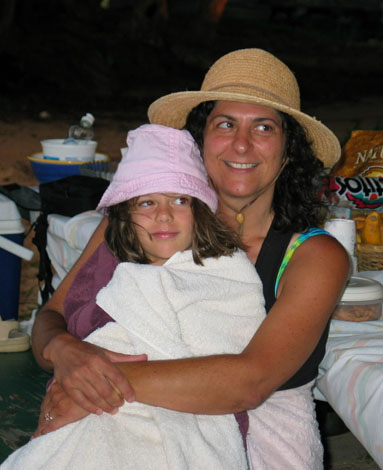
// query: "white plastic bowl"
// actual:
[[55, 149]]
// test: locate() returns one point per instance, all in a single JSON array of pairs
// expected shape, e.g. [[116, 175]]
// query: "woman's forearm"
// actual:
[[207, 385], [50, 321], [48, 325]]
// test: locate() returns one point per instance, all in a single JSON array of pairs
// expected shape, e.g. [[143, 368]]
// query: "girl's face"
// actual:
[[243, 149], [164, 224]]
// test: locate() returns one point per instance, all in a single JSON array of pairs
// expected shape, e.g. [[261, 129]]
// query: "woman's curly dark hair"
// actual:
[[296, 202]]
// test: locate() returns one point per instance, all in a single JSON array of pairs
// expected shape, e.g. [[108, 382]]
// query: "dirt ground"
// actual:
[[20, 137]]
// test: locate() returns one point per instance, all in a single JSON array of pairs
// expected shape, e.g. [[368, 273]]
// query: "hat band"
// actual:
[[252, 87]]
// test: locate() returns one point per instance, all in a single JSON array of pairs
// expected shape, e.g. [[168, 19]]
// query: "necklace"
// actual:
[[239, 215]]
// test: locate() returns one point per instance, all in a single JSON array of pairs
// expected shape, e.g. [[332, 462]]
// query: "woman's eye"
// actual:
[[264, 127], [225, 125]]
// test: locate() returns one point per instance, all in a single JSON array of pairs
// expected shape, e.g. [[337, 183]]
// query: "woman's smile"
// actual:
[[241, 166]]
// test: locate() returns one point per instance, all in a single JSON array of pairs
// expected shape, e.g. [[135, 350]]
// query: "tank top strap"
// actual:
[[311, 232]]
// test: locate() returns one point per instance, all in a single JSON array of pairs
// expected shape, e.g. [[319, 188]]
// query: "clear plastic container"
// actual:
[[361, 301], [83, 132]]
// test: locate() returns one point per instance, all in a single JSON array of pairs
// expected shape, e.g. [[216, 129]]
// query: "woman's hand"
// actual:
[[86, 373], [57, 410]]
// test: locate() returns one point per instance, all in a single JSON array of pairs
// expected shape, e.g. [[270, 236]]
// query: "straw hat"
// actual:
[[248, 76]]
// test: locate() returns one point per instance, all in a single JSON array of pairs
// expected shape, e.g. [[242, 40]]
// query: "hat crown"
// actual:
[[159, 159], [253, 72]]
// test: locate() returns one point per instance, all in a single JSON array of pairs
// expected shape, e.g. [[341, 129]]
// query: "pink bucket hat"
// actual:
[[159, 159]]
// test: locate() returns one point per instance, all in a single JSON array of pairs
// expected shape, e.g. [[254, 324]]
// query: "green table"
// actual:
[[22, 388]]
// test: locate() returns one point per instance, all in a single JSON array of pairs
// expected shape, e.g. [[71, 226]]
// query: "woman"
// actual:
[[163, 230], [256, 147]]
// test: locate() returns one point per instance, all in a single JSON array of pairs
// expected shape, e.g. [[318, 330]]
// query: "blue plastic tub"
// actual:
[[46, 170]]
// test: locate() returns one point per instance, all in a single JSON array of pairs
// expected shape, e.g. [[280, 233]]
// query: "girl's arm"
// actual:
[[309, 289]]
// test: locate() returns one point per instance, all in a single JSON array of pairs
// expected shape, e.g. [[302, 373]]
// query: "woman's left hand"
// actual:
[[57, 410]]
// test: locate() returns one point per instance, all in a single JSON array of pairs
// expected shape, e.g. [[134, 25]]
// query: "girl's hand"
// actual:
[[57, 410], [86, 373]]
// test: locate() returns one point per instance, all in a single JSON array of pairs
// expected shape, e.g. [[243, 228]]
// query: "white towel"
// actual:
[[179, 309], [284, 433]]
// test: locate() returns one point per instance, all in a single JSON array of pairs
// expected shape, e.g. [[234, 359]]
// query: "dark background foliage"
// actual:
[[117, 56]]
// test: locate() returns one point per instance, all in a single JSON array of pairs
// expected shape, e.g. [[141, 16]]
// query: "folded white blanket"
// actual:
[[176, 310]]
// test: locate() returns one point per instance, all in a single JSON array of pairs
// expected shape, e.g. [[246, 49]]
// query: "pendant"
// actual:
[[240, 218]]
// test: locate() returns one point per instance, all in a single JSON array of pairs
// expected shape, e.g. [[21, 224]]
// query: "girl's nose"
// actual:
[[164, 214]]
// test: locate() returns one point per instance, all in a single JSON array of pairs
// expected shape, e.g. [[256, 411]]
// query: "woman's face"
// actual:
[[243, 149]]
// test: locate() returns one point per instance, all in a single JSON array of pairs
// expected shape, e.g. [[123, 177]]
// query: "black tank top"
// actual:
[[269, 260]]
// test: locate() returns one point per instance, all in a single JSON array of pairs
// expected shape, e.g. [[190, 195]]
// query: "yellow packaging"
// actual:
[[362, 155]]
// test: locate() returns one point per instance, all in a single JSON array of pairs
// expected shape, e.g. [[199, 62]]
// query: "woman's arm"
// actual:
[[83, 370], [50, 322], [309, 289]]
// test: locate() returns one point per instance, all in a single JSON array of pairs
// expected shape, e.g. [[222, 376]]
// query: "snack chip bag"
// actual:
[[356, 181], [362, 155], [355, 193]]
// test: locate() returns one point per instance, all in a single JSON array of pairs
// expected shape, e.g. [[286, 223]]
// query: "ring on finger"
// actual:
[[48, 416]]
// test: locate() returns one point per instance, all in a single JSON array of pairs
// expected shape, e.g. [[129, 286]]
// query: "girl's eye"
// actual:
[[148, 203], [181, 200]]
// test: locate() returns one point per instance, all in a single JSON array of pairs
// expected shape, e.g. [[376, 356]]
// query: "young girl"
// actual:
[[182, 288]]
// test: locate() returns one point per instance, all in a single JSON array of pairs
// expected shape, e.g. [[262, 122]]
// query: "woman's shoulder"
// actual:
[[314, 247], [315, 235], [319, 257], [317, 242], [309, 233]]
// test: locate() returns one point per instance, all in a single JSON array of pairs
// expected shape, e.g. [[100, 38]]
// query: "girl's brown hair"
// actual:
[[211, 238]]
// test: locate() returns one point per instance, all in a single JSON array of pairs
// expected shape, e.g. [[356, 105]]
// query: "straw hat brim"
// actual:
[[172, 110]]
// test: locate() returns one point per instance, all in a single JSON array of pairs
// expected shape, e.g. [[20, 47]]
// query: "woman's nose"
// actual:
[[241, 142]]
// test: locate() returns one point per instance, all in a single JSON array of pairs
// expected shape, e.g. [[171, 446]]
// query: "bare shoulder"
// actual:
[[320, 261], [323, 248], [313, 281]]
